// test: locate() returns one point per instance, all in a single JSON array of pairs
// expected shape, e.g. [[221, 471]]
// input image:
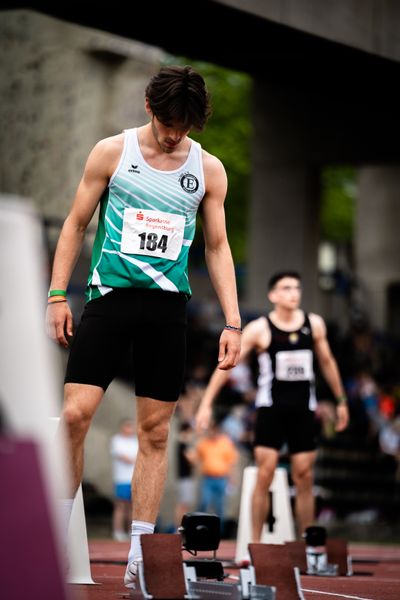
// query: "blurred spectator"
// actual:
[[241, 379], [363, 397], [233, 424], [186, 484], [123, 450], [387, 404], [215, 455], [192, 393], [389, 441]]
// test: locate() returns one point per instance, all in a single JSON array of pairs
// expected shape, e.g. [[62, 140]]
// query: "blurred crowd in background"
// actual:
[[357, 474]]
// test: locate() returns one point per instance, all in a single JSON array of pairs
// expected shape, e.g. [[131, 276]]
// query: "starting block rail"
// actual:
[[274, 572]]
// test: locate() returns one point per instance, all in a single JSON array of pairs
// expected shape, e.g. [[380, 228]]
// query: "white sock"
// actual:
[[65, 508], [138, 528]]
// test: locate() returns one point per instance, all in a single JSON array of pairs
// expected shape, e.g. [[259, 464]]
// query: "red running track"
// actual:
[[376, 574]]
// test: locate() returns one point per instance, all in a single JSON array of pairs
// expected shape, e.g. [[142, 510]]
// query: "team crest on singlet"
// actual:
[[189, 183]]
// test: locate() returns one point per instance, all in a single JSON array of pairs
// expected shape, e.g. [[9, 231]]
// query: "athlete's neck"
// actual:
[[287, 317]]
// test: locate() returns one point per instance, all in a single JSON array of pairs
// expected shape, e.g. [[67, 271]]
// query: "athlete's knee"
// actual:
[[153, 435], [76, 418], [265, 475], [303, 478]]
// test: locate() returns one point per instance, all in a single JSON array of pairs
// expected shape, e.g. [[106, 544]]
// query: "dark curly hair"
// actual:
[[178, 95], [273, 280]]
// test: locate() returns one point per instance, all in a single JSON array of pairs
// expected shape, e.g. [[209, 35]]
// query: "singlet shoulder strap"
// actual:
[[131, 141], [307, 323], [270, 323]]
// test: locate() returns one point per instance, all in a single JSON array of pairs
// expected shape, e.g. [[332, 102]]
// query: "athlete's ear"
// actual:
[[271, 296], [147, 107]]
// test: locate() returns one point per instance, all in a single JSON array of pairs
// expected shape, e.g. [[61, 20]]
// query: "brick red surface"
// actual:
[[376, 578]]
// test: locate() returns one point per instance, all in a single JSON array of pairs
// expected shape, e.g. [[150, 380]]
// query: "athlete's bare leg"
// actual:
[[266, 460], [302, 464], [80, 404], [153, 422]]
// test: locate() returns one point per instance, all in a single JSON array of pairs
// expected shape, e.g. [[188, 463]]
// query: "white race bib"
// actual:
[[294, 365], [152, 233]]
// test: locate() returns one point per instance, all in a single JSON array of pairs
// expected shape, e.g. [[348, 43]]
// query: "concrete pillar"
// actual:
[[284, 231], [377, 240], [284, 199]]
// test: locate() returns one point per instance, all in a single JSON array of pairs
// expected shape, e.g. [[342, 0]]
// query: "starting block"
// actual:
[[163, 574], [274, 572], [280, 526], [337, 554], [273, 567]]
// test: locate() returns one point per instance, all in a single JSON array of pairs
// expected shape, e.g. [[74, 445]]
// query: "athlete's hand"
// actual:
[[202, 418], [342, 417], [229, 349], [59, 322]]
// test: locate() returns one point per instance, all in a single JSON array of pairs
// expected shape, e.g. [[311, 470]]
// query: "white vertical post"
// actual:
[[29, 372], [78, 548], [28, 368], [283, 527]]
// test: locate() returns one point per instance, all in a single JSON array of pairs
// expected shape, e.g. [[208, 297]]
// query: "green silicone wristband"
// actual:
[[56, 293]]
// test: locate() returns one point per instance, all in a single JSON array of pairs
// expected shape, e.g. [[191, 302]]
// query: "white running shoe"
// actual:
[[131, 574]]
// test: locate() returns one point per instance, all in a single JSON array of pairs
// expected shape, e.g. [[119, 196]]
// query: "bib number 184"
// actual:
[[150, 241]]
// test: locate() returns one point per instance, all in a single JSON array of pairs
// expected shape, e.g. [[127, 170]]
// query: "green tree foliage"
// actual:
[[228, 136], [338, 203]]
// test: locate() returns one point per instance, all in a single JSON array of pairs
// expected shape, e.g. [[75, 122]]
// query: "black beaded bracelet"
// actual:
[[232, 328]]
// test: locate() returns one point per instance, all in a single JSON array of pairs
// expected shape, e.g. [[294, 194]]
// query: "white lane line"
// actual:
[[337, 595]]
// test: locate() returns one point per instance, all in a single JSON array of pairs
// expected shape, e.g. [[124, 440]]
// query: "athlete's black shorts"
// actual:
[[146, 326], [275, 427]]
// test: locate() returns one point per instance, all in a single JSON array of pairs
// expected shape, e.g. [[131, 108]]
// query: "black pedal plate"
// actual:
[[208, 569]]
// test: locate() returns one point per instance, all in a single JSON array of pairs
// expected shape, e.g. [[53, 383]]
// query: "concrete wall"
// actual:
[[377, 239], [369, 25], [63, 88]]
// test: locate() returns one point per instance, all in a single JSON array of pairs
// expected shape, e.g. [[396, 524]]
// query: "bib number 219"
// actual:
[[151, 241]]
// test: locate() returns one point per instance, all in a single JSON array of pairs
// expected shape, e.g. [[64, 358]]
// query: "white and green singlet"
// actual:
[[147, 223]]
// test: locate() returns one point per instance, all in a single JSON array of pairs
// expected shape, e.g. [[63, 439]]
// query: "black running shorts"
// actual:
[[274, 427], [146, 326]]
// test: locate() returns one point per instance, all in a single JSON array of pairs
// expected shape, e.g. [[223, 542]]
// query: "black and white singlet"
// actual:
[[286, 374]]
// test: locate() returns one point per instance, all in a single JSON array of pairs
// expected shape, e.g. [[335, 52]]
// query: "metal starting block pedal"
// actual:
[[324, 557], [273, 566], [162, 575]]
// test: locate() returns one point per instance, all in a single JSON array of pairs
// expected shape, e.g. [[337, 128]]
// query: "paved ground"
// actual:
[[376, 574]]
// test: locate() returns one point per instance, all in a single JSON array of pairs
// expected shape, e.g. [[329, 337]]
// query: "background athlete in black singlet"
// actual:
[[286, 342]]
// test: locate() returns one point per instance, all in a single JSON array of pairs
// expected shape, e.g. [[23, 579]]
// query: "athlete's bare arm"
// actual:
[[329, 368], [100, 165], [255, 337], [219, 258]]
